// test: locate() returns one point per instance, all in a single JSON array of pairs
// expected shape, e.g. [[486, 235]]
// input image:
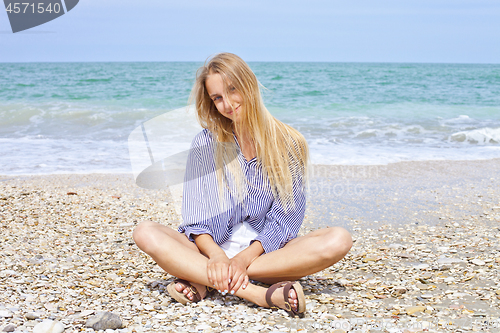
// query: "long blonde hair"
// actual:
[[282, 151]]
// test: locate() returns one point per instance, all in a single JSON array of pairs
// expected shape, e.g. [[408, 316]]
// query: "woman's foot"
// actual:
[[186, 292], [288, 296], [190, 290], [278, 299]]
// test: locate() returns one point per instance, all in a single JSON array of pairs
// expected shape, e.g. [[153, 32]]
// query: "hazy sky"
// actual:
[[451, 31]]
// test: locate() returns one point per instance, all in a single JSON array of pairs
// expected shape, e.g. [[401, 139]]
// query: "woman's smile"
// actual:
[[235, 110]]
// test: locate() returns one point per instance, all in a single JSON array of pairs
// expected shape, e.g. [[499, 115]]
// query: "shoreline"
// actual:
[[348, 195], [67, 252], [314, 165]]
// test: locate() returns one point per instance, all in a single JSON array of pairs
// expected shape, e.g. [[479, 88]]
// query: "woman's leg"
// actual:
[[302, 256], [178, 256], [149, 236]]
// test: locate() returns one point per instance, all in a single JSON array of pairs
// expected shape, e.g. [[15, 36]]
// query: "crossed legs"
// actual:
[[302, 256]]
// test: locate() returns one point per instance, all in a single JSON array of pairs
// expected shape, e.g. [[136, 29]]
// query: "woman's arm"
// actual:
[[239, 264], [201, 209], [218, 262]]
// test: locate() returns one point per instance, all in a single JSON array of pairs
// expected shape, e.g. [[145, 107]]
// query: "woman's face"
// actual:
[[223, 103]]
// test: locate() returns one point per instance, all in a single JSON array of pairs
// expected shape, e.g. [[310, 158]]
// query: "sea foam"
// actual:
[[480, 136]]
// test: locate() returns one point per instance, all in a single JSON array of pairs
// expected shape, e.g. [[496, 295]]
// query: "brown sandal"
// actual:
[[180, 297], [287, 285]]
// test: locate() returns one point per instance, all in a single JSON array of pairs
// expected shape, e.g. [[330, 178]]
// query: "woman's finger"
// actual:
[[239, 283], [209, 275], [238, 273], [216, 274], [245, 282], [224, 279], [234, 274], [221, 278]]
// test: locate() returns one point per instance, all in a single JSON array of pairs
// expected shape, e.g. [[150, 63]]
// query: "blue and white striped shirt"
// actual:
[[200, 209]]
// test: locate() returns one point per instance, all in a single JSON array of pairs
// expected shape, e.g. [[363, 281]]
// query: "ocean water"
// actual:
[[77, 117]]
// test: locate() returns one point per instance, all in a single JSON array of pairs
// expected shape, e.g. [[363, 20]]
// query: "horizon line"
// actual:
[[251, 61]]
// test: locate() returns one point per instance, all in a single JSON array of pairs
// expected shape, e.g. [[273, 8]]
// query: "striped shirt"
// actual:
[[201, 211]]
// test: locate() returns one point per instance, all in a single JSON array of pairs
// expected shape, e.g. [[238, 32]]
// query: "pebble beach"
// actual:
[[426, 255]]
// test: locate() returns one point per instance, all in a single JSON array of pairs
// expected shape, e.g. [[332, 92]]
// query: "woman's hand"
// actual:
[[240, 263], [238, 273], [218, 272]]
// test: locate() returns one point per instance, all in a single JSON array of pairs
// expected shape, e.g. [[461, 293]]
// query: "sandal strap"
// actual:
[[210, 291], [270, 292], [287, 285], [286, 290]]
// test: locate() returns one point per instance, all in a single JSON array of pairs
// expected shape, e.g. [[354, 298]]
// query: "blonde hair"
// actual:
[[282, 151]]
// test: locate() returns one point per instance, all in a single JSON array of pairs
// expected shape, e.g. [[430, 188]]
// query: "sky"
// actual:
[[423, 31]]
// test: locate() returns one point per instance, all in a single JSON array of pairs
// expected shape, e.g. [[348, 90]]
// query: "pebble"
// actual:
[[86, 313], [32, 316], [104, 321], [400, 290], [202, 327], [5, 314], [448, 261], [477, 262], [148, 307], [9, 328], [48, 326], [414, 309]]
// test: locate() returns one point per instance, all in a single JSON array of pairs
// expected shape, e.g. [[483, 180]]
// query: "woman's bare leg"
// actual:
[[178, 256], [147, 236], [302, 256]]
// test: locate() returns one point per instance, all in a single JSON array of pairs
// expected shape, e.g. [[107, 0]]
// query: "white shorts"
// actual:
[[242, 235]]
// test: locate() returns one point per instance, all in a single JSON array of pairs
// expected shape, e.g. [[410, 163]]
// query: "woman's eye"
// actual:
[[216, 98]]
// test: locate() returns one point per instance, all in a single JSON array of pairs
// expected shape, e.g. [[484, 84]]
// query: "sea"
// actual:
[[58, 118]]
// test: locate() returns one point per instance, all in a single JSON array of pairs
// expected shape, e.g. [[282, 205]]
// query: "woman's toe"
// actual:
[[180, 287], [281, 303], [292, 296]]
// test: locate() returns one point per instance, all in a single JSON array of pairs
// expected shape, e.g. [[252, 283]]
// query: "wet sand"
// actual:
[[402, 193]]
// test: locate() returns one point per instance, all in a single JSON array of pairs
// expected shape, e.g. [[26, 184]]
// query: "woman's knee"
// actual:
[[143, 235], [336, 243]]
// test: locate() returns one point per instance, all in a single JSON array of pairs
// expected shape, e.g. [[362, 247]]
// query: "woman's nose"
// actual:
[[227, 105]]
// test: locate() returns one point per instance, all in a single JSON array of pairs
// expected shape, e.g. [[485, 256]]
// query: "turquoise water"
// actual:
[[76, 117]]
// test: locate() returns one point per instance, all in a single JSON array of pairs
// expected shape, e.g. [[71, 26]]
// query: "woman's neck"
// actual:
[[246, 144]]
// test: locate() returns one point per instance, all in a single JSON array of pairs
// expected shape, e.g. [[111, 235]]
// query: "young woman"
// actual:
[[243, 201]]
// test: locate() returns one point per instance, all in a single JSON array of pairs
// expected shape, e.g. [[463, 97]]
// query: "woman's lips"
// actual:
[[237, 109]]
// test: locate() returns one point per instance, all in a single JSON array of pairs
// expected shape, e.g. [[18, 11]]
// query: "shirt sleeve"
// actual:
[[282, 226], [197, 209]]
